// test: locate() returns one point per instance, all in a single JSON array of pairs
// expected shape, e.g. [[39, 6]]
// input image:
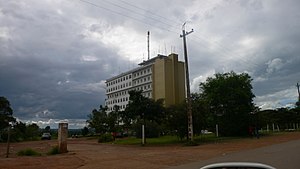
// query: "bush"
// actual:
[[28, 152], [152, 130], [104, 138], [191, 143], [54, 151]]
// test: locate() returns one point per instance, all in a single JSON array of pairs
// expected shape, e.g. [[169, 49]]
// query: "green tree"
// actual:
[[85, 131], [47, 129], [103, 122], [6, 113], [32, 131], [98, 120], [19, 133], [176, 120], [141, 109], [202, 117], [230, 99]]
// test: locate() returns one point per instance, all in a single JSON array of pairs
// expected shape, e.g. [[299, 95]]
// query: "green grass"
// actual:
[[198, 140], [171, 140], [54, 150], [28, 152], [164, 140]]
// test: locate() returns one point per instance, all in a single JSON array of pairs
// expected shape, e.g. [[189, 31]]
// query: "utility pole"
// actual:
[[189, 104]]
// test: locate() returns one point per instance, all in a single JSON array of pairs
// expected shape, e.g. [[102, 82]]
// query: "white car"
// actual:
[[237, 165], [46, 136]]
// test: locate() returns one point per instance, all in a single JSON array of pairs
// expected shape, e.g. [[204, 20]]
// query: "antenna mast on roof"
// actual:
[[148, 42], [298, 92]]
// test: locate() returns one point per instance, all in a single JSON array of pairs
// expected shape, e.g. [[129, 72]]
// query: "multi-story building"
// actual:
[[161, 77]]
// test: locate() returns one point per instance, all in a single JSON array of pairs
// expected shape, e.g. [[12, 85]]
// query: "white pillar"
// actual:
[[62, 137], [217, 130], [143, 134]]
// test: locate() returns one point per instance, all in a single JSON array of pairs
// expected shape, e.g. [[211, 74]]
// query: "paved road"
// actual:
[[281, 156]]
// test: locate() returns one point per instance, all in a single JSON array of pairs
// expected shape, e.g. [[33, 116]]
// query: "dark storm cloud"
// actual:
[[56, 55], [43, 69]]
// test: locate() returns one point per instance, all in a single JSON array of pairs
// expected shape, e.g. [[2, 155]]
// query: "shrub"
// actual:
[[54, 151], [104, 138], [191, 143], [152, 129], [28, 152]]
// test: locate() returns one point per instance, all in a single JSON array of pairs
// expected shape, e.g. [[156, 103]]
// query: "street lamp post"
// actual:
[[8, 138]]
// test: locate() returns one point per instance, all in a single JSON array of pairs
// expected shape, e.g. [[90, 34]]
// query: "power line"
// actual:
[[135, 12], [227, 52], [150, 12], [124, 15], [224, 51]]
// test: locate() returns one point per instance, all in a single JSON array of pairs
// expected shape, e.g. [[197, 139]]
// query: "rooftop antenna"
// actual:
[[298, 86], [165, 48], [143, 57], [148, 42]]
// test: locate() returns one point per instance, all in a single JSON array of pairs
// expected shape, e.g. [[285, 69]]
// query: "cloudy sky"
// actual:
[[55, 55]]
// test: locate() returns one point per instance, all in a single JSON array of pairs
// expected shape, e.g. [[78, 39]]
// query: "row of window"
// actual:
[[125, 100], [122, 107], [141, 80], [121, 86], [121, 79], [120, 100], [141, 72], [125, 85], [125, 92], [145, 87]]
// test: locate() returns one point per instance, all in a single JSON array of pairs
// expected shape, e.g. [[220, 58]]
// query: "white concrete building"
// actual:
[[162, 77], [119, 86]]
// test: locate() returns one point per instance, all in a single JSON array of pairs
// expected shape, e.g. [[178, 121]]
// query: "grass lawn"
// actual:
[[171, 140], [150, 141], [165, 140]]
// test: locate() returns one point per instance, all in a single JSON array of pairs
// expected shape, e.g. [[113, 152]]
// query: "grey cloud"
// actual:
[[51, 69]]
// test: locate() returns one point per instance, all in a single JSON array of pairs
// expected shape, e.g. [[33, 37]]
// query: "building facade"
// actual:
[[162, 77]]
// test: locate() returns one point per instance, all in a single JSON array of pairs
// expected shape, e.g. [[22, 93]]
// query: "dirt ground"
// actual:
[[88, 154]]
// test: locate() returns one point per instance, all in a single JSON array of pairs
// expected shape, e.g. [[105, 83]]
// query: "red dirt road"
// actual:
[[88, 154]]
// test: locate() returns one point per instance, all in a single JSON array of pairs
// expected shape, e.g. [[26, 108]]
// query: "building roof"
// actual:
[[152, 60], [142, 66]]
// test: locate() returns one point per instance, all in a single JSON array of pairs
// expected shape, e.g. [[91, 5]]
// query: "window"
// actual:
[[129, 76]]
